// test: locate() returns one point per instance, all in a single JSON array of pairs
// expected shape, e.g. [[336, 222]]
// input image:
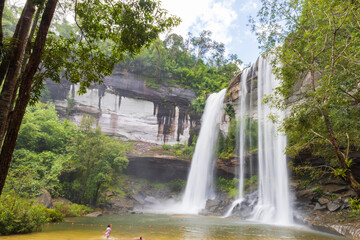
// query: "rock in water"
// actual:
[[94, 214]]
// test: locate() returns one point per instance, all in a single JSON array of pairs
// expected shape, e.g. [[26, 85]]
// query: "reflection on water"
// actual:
[[161, 227]]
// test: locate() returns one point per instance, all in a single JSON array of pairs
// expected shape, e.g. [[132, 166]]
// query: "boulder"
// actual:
[[323, 201], [138, 199], [45, 198], [121, 203], [211, 203], [151, 200], [94, 214], [333, 206], [319, 207], [305, 194], [336, 188]]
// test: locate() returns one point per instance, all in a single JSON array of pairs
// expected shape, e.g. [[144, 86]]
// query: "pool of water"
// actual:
[[161, 227]]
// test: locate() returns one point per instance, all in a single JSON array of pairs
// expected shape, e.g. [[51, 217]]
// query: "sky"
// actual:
[[226, 19]]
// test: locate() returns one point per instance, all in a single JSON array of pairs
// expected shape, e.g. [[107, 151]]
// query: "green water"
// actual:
[[168, 227]]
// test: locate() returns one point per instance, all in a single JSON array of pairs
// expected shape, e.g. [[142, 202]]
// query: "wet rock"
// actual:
[[138, 199], [151, 200], [45, 198], [121, 203], [94, 214], [305, 194], [349, 194], [319, 207], [346, 204], [210, 203], [335, 188], [333, 206], [323, 201]]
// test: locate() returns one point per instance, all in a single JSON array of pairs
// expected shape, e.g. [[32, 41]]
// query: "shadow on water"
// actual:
[[161, 227]]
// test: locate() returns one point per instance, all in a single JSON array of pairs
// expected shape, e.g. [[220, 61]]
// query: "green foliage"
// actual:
[[166, 146], [227, 145], [318, 191], [228, 186], [177, 185], [40, 152], [103, 35], [253, 180], [183, 151], [319, 42], [355, 205], [95, 162], [78, 164], [184, 63], [230, 111], [72, 209], [20, 215]]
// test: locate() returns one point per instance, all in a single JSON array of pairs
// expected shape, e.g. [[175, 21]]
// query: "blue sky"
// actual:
[[227, 19]]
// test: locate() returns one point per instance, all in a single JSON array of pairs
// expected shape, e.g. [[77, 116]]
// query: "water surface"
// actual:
[[175, 227]]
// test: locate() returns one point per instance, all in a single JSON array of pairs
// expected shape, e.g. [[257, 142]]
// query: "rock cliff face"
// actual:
[[126, 108]]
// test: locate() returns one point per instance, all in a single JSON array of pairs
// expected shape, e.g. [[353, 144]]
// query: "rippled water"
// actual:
[[168, 227]]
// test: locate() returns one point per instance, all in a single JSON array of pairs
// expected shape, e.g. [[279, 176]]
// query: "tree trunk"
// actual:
[[8, 146], [349, 178], [22, 29], [2, 5]]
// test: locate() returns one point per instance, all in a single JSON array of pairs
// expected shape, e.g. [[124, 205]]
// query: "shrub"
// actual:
[[355, 205], [72, 209], [228, 186], [20, 215], [166, 147], [177, 185]]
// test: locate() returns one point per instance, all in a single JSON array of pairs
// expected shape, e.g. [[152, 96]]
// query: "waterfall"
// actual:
[[200, 180], [273, 203], [242, 140], [244, 112]]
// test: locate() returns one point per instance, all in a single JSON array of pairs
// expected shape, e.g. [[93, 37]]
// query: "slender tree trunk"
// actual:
[[8, 146], [2, 5], [96, 194], [22, 29], [349, 177]]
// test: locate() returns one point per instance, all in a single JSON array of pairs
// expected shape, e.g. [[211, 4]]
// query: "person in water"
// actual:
[[140, 238], [107, 231]]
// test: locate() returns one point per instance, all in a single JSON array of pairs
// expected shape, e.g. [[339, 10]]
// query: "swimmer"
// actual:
[[107, 231]]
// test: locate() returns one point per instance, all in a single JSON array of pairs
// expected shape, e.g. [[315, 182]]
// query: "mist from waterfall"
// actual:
[[199, 187], [273, 202]]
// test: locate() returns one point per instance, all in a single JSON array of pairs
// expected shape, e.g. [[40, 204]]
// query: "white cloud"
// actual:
[[249, 6], [198, 15]]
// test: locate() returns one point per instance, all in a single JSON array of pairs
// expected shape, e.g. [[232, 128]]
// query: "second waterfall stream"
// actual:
[[200, 183]]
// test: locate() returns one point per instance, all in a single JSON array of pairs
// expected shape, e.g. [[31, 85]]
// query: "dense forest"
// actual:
[[315, 40], [197, 62]]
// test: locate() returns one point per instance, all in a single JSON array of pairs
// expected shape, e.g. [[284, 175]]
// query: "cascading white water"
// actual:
[[200, 180], [273, 203], [242, 140], [243, 111]]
